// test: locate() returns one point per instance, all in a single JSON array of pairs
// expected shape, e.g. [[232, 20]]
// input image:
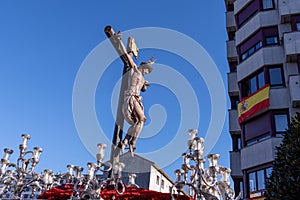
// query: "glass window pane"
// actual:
[[239, 144], [298, 26], [251, 51], [252, 182], [258, 45], [281, 122], [260, 180], [253, 85], [276, 77], [162, 184], [244, 56], [245, 88], [269, 172], [242, 188], [271, 40], [267, 4], [261, 80]]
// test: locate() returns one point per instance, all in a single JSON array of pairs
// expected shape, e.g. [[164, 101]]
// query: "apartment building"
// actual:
[[263, 53]]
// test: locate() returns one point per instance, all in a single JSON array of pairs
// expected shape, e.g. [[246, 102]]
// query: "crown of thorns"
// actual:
[[148, 65]]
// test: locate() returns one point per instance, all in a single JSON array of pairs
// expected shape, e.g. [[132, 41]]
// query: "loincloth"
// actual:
[[129, 107]]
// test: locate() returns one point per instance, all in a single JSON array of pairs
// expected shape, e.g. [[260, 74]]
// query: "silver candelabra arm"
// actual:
[[131, 182], [23, 146]]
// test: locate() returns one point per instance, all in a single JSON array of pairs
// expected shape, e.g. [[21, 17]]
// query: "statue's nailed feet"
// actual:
[[131, 149], [123, 146]]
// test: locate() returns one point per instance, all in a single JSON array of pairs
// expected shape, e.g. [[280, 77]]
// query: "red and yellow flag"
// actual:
[[257, 198], [254, 103]]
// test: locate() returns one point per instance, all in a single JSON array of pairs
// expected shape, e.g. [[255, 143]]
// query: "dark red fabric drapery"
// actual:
[[65, 192]]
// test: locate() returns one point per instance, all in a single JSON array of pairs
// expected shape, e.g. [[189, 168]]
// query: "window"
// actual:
[[271, 40], [257, 180], [281, 123], [162, 184], [276, 77], [264, 37], [252, 50], [236, 142], [252, 182], [261, 80], [298, 26], [252, 84], [258, 129], [260, 180], [233, 65], [247, 12], [295, 22], [234, 100], [269, 172], [157, 180], [267, 4], [258, 139], [241, 189], [251, 9]]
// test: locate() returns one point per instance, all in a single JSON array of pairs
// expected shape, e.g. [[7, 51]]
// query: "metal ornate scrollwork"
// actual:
[[211, 183], [19, 181], [89, 187], [15, 179]]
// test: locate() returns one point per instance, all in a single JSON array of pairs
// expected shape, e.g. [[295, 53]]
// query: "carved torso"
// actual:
[[135, 82]]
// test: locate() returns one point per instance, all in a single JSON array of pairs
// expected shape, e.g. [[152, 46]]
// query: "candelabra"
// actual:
[[16, 178], [211, 183], [89, 187]]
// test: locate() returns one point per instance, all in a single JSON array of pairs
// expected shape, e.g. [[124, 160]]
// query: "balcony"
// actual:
[[261, 19], [235, 163], [233, 89], [231, 51], [287, 8], [265, 56], [230, 21], [294, 82], [291, 42], [279, 98], [259, 153], [234, 127], [239, 5]]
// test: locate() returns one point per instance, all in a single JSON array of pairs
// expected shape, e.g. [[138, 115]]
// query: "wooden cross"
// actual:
[[126, 56]]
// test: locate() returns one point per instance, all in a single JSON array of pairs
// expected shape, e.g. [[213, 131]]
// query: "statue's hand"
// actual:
[[144, 88], [147, 83]]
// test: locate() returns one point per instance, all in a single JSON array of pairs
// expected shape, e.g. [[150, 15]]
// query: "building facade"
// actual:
[[263, 53], [148, 174]]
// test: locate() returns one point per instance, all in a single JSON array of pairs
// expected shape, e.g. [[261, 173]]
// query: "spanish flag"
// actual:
[[254, 103], [257, 198]]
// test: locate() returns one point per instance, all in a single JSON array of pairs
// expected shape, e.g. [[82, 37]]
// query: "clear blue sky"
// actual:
[[43, 44]]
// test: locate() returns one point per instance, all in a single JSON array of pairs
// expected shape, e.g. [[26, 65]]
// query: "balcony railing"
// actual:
[[231, 50], [291, 43], [260, 153], [235, 163], [287, 8], [230, 21], [233, 89], [294, 82], [234, 127]]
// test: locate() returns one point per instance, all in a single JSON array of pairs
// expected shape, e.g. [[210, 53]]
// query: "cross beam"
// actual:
[[117, 43]]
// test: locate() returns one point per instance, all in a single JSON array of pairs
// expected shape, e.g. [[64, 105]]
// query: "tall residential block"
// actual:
[[263, 53]]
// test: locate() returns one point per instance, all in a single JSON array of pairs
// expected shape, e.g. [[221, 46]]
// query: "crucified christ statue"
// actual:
[[133, 109], [130, 105]]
